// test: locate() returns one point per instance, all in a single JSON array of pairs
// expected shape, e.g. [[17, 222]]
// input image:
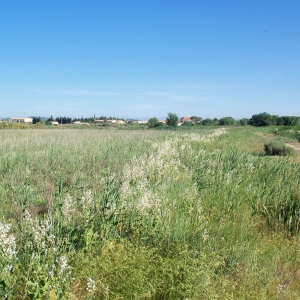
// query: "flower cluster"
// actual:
[[68, 207], [91, 286], [144, 176], [7, 243]]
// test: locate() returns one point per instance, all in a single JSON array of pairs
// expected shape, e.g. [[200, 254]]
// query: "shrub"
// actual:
[[227, 121], [276, 147], [153, 122]]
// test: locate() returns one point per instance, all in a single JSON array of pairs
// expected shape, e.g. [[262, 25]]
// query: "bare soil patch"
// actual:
[[296, 146]]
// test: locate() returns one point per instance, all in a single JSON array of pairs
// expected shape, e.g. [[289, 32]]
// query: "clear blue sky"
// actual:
[[141, 59]]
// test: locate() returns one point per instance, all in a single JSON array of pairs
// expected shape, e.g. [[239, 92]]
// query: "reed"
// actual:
[[146, 214]]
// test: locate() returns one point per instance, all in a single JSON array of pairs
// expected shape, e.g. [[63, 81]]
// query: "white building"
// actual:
[[80, 123], [21, 120]]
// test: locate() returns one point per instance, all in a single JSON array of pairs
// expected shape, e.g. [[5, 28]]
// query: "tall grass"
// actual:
[[278, 147], [110, 214]]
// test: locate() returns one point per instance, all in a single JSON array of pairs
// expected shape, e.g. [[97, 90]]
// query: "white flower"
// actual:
[[63, 263], [7, 243], [91, 285], [27, 216], [205, 235], [68, 206], [87, 200]]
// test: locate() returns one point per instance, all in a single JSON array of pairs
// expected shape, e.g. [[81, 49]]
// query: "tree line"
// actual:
[[262, 119]]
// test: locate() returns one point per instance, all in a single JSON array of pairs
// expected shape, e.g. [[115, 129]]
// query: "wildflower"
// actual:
[[63, 264], [7, 269], [91, 285], [27, 216], [205, 235], [281, 288], [68, 206], [87, 200], [40, 231], [228, 178], [7, 243]]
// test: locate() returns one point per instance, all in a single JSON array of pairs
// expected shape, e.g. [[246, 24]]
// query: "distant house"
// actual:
[[53, 123], [21, 120], [142, 122], [162, 121], [111, 121], [121, 122], [185, 119], [80, 123], [132, 121]]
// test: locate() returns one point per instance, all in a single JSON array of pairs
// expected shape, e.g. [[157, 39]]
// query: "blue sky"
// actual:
[[139, 59]]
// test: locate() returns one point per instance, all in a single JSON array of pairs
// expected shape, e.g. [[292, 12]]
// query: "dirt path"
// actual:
[[296, 146]]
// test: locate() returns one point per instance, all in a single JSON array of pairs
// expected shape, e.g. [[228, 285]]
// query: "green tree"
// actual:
[[243, 121], [227, 121], [263, 119], [172, 120], [196, 119], [207, 121], [287, 120], [153, 122]]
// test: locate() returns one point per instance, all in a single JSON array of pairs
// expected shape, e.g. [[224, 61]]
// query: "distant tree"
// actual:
[[196, 119], [153, 122], [36, 120], [263, 119], [227, 121], [287, 121], [172, 120], [207, 121], [64, 120], [243, 121]]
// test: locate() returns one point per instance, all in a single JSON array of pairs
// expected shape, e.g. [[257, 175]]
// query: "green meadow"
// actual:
[[147, 214]]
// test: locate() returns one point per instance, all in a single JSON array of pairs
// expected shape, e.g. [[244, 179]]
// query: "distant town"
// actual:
[[262, 119]]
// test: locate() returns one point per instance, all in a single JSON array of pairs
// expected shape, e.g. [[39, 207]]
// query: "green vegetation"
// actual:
[[277, 147], [265, 119], [292, 132], [196, 213], [8, 125], [153, 122], [172, 120], [227, 121]]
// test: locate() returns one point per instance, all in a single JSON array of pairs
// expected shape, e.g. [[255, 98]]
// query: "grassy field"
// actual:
[[147, 214]]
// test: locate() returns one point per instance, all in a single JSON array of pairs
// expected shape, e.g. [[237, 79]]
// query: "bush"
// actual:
[[153, 122], [276, 147], [188, 124], [227, 121]]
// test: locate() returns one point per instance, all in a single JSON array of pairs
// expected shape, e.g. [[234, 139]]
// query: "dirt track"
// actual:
[[296, 146]]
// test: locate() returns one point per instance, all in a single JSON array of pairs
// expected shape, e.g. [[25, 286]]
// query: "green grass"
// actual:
[[278, 147], [147, 214]]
